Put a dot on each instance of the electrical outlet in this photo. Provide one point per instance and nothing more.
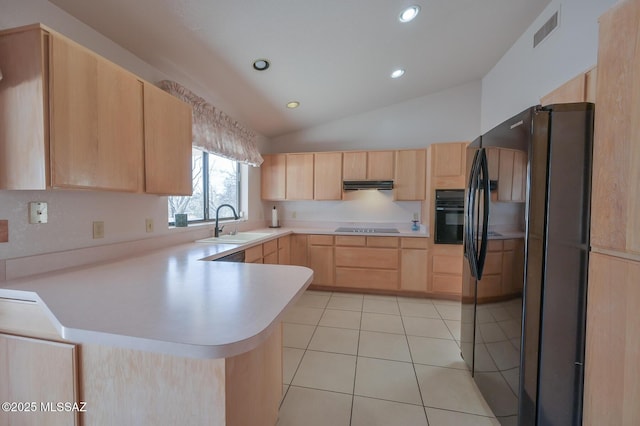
(294, 214)
(98, 230)
(38, 212)
(4, 231)
(148, 224)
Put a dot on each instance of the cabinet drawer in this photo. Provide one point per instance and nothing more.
(449, 284)
(271, 258)
(320, 240)
(448, 249)
(447, 265)
(510, 244)
(417, 243)
(270, 247)
(494, 245)
(253, 253)
(382, 242)
(343, 240)
(377, 258)
(367, 278)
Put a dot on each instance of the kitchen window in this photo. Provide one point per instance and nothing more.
(216, 181)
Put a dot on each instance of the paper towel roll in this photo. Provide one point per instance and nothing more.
(274, 217)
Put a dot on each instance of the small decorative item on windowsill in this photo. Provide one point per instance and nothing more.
(181, 220)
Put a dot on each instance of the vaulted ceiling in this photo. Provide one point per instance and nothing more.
(333, 56)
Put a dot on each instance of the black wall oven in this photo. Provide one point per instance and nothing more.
(449, 221)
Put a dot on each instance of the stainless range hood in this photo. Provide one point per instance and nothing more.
(352, 185)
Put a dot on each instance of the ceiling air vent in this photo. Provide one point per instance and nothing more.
(546, 29)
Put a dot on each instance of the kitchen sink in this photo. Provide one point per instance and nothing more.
(239, 238)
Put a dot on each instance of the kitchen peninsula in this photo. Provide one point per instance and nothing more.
(159, 338)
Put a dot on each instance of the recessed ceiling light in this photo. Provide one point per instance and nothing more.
(293, 104)
(260, 64)
(397, 73)
(409, 13)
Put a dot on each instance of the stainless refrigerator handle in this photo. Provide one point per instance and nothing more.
(484, 170)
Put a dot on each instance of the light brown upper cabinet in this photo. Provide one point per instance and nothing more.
(273, 177)
(167, 143)
(590, 85)
(299, 177)
(354, 165)
(410, 180)
(581, 88)
(96, 132)
(615, 214)
(380, 165)
(372, 165)
(70, 118)
(448, 165)
(327, 171)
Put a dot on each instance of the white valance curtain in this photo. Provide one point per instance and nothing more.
(214, 131)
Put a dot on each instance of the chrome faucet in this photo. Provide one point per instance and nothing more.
(216, 231)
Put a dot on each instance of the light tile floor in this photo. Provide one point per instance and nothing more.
(354, 359)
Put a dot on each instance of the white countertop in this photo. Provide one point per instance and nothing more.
(172, 300)
(167, 301)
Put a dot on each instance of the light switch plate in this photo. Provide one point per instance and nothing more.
(98, 230)
(148, 224)
(38, 212)
(4, 231)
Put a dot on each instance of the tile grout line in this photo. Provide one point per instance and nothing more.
(355, 372)
(305, 352)
(413, 365)
(358, 355)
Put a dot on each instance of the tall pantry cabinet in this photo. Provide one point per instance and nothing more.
(612, 367)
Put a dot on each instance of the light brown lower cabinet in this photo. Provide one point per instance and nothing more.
(273, 252)
(37, 375)
(321, 259)
(253, 254)
(414, 271)
(131, 387)
(446, 267)
(389, 264)
(299, 250)
(612, 371)
(284, 250)
(270, 252)
(367, 262)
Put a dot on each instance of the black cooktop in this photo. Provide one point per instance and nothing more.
(368, 230)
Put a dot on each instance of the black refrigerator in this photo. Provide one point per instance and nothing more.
(526, 350)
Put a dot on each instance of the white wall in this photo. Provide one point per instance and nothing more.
(525, 74)
(370, 207)
(71, 212)
(449, 115)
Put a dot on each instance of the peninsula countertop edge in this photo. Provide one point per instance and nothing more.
(169, 301)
